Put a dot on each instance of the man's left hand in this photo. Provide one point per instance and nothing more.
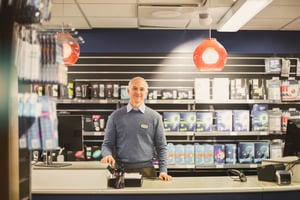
(165, 177)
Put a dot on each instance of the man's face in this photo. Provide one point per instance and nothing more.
(137, 92)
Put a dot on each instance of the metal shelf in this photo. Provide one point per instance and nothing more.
(87, 101)
(174, 101)
(233, 133)
(179, 133)
(228, 166)
(93, 133)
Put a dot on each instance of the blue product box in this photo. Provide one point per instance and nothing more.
(219, 153)
(208, 154)
(259, 117)
(199, 154)
(179, 154)
(246, 152)
(189, 154)
(171, 121)
(230, 153)
(262, 151)
(123, 92)
(171, 153)
(224, 120)
(204, 121)
(187, 122)
(241, 120)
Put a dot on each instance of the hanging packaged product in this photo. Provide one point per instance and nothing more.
(257, 89)
(297, 67)
(273, 65)
(273, 89)
(275, 116)
(285, 69)
(289, 89)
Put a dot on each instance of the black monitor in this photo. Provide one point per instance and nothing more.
(70, 132)
(69, 137)
(292, 138)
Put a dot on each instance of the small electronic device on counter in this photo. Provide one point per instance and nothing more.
(283, 177)
(291, 164)
(268, 172)
(119, 179)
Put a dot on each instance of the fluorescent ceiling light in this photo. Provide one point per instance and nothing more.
(240, 13)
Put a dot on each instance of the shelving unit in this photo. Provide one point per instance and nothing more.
(173, 71)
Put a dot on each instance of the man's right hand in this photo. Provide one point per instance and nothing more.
(108, 159)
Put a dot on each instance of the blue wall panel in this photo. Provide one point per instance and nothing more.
(177, 41)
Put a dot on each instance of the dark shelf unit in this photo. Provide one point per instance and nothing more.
(174, 71)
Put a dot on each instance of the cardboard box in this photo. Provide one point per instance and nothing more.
(187, 121)
(171, 121)
(204, 121)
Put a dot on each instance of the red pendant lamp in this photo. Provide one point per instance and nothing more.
(210, 55)
(71, 48)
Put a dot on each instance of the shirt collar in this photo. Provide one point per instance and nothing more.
(141, 108)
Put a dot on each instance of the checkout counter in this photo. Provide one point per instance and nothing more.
(88, 180)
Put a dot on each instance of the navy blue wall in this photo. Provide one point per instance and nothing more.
(176, 41)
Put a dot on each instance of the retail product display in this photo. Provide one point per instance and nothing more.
(38, 122)
(92, 152)
(230, 153)
(94, 122)
(171, 121)
(219, 153)
(39, 57)
(224, 120)
(241, 120)
(187, 122)
(204, 121)
(273, 65)
(231, 119)
(260, 117)
(202, 154)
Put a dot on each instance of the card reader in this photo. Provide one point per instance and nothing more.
(283, 177)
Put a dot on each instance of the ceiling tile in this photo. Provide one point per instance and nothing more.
(286, 2)
(99, 22)
(265, 24)
(70, 22)
(277, 12)
(109, 10)
(62, 1)
(107, 1)
(165, 16)
(279, 15)
(65, 10)
(295, 25)
(168, 2)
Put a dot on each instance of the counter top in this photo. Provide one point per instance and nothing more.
(70, 165)
(184, 185)
(91, 178)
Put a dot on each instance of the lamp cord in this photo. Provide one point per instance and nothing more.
(209, 5)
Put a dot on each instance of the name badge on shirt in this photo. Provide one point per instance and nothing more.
(144, 126)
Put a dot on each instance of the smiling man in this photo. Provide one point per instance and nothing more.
(134, 134)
